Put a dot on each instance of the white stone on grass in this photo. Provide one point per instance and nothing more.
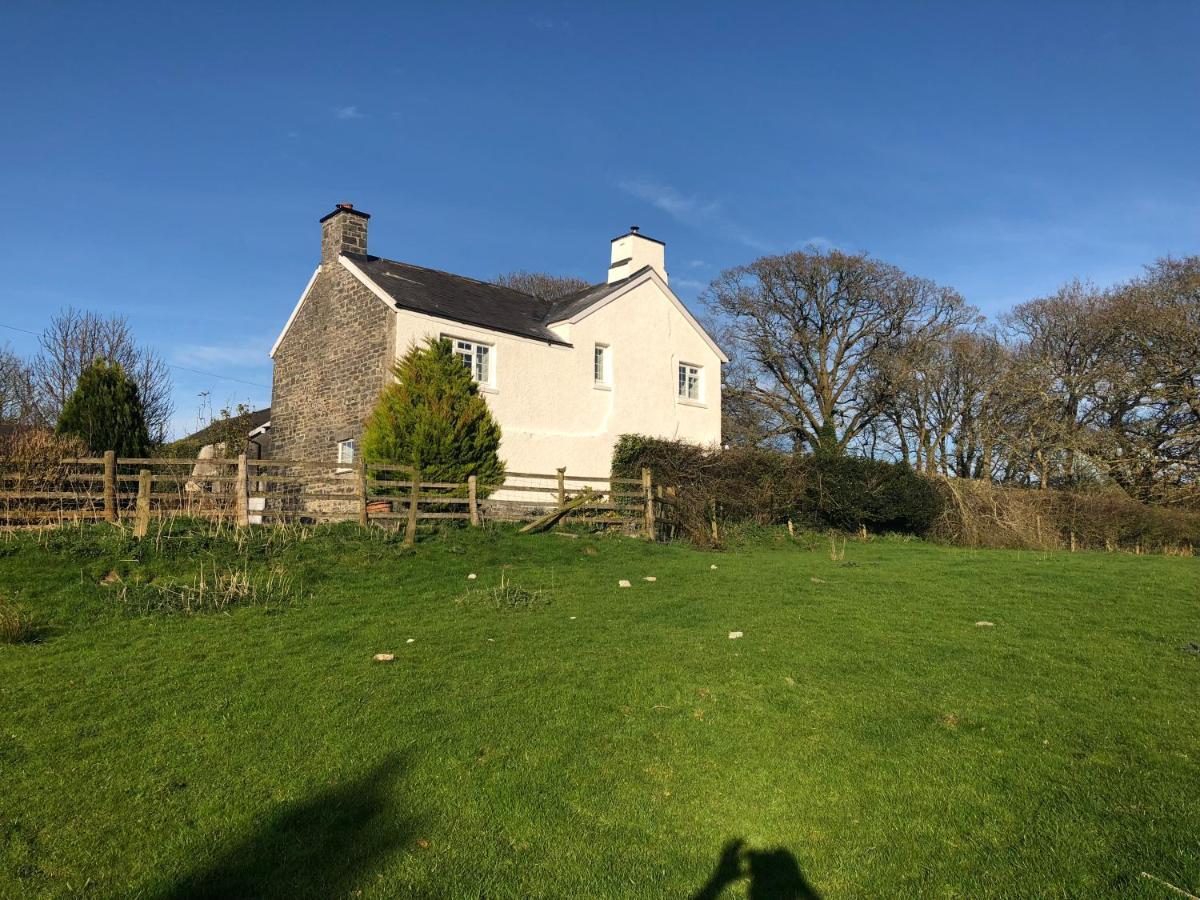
(384, 657)
(985, 624)
(624, 583)
(649, 578)
(713, 566)
(734, 635)
(410, 640)
(471, 577)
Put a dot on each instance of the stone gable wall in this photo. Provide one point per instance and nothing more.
(330, 367)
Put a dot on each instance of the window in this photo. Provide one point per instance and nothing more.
(476, 357)
(689, 382)
(346, 450)
(600, 365)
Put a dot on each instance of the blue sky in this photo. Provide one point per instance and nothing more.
(169, 162)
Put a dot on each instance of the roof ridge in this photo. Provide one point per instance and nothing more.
(492, 284)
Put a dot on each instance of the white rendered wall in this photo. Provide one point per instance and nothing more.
(551, 412)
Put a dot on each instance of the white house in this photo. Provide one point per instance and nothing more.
(563, 378)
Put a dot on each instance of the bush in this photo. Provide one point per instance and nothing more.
(766, 487)
(105, 412)
(983, 514)
(850, 493)
(433, 419)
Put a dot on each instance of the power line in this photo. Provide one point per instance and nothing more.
(168, 365)
(215, 375)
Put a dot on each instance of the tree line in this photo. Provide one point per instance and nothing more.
(840, 353)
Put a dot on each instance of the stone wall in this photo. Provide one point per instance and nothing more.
(330, 367)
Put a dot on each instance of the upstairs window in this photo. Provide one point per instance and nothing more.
(346, 451)
(475, 356)
(689, 382)
(600, 365)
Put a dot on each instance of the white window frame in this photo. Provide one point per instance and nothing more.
(468, 348)
(352, 445)
(689, 375)
(603, 378)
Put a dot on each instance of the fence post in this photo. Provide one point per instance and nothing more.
(562, 486)
(473, 500)
(241, 493)
(410, 532)
(361, 467)
(648, 491)
(110, 485)
(141, 521)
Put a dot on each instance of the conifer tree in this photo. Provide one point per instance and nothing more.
(433, 419)
(105, 411)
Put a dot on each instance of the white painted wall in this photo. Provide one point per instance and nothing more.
(551, 412)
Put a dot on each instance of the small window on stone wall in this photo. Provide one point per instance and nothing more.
(346, 451)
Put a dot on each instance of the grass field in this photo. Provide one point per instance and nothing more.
(864, 738)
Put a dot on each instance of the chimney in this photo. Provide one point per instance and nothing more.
(634, 251)
(343, 231)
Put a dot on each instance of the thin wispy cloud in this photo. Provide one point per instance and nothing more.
(697, 264)
(345, 113)
(689, 284)
(548, 23)
(689, 210)
(693, 210)
(246, 354)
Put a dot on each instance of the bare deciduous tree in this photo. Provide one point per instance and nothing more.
(943, 400)
(542, 285)
(18, 399)
(74, 339)
(809, 333)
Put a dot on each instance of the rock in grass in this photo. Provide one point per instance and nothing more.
(471, 577)
(623, 583)
(985, 624)
(410, 640)
(384, 657)
(734, 635)
(713, 566)
(649, 578)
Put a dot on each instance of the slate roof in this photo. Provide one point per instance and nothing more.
(573, 304)
(472, 302)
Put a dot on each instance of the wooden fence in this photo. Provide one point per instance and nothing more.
(245, 491)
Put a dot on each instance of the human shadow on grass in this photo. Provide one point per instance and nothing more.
(771, 875)
(323, 846)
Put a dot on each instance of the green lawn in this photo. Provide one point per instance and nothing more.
(865, 738)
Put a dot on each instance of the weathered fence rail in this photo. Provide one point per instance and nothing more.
(246, 492)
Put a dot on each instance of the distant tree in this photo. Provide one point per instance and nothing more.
(105, 412)
(542, 285)
(74, 340)
(808, 333)
(18, 398)
(433, 419)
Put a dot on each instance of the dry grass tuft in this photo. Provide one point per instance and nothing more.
(17, 625)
